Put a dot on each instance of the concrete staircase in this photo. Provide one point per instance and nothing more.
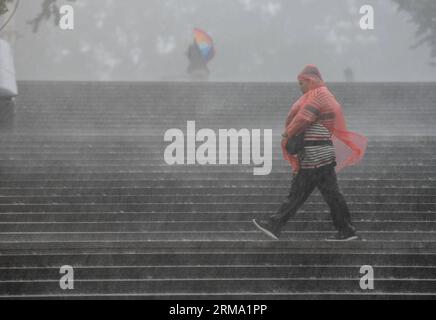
(83, 183)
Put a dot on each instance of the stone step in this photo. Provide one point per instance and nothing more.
(159, 158)
(6, 178)
(210, 215)
(425, 129)
(366, 128)
(141, 141)
(16, 274)
(208, 118)
(149, 142)
(366, 164)
(163, 114)
(207, 182)
(5, 192)
(195, 235)
(181, 206)
(206, 226)
(210, 286)
(153, 151)
(21, 139)
(234, 104)
(240, 258)
(102, 166)
(209, 198)
(161, 127)
(141, 129)
(156, 156)
(332, 295)
(134, 147)
(144, 166)
(228, 120)
(131, 141)
(294, 245)
(47, 170)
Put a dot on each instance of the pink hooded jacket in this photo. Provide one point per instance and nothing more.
(349, 146)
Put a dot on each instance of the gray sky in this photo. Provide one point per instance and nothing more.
(256, 40)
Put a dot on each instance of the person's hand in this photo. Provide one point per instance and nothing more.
(284, 138)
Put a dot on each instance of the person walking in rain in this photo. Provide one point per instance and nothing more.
(200, 53)
(197, 68)
(317, 144)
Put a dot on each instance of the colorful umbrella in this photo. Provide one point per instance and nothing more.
(205, 44)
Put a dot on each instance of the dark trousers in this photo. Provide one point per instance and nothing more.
(303, 184)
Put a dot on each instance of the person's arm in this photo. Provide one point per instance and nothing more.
(302, 120)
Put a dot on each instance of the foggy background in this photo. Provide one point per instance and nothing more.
(256, 40)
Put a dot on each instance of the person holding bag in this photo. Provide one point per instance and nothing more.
(317, 145)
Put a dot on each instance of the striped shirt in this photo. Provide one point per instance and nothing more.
(315, 117)
(317, 156)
